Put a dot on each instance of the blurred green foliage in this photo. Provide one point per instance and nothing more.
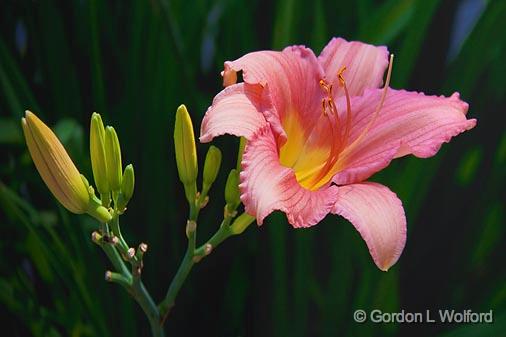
(135, 62)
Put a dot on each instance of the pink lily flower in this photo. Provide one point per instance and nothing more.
(318, 127)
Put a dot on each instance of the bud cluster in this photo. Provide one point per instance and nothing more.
(112, 182)
(64, 180)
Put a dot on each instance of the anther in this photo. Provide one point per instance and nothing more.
(340, 75)
(323, 107)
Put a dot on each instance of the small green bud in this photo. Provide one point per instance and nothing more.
(127, 187)
(241, 223)
(97, 153)
(211, 168)
(184, 143)
(232, 193)
(113, 155)
(242, 145)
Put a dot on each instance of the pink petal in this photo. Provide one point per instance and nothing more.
(378, 216)
(291, 80)
(267, 186)
(365, 64)
(408, 123)
(235, 110)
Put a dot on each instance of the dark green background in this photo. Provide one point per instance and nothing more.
(135, 62)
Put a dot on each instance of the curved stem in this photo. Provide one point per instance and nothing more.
(221, 235)
(177, 282)
(123, 246)
(191, 257)
(133, 285)
(142, 296)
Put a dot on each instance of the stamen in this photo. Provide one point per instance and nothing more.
(335, 144)
(327, 100)
(342, 82)
(357, 141)
(339, 142)
(337, 151)
(325, 86)
(323, 107)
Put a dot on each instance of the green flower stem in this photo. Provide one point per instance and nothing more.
(116, 260)
(118, 278)
(133, 285)
(186, 265)
(142, 296)
(177, 282)
(191, 257)
(221, 235)
(122, 245)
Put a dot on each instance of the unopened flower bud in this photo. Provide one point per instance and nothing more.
(127, 187)
(54, 165)
(232, 193)
(229, 76)
(211, 168)
(97, 153)
(113, 156)
(186, 153)
(184, 142)
(242, 146)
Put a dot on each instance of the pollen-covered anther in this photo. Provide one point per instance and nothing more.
(328, 105)
(342, 83)
(340, 75)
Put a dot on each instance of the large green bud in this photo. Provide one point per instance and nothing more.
(97, 152)
(186, 153)
(113, 155)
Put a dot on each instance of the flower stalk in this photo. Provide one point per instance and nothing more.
(115, 188)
